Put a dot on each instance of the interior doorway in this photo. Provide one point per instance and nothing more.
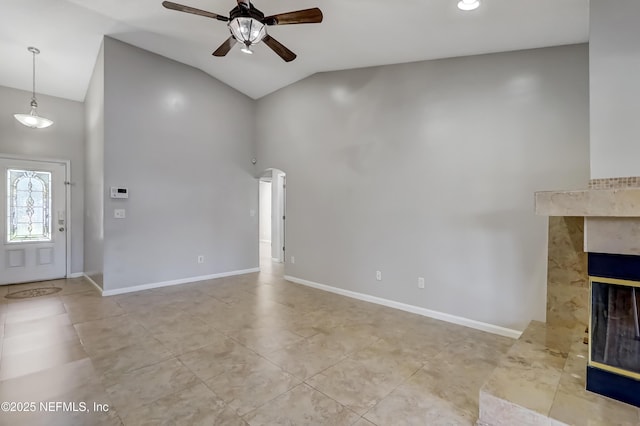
(272, 203)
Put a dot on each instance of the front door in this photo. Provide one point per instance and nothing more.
(33, 221)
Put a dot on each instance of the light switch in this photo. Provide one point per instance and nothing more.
(119, 213)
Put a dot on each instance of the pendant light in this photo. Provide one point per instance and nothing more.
(32, 119)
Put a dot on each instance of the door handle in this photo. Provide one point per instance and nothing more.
(61, 229)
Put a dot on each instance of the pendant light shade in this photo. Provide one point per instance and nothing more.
(32, 119)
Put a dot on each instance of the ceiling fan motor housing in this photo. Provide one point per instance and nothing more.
(244, 12)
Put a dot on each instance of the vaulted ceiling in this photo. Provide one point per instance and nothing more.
(354, 33)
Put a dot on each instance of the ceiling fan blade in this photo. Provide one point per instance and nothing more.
(225, 47)
(306, 16)
(189, 9)
(280, 50)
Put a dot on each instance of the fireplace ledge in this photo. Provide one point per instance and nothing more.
(623, 202)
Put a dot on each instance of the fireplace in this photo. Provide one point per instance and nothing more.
(611, 211)
(614, 327)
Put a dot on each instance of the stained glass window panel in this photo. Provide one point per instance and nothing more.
(28, 206)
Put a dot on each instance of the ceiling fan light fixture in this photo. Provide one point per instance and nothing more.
(32, 119)
(247, 30)
(248, 26)
(468, 4)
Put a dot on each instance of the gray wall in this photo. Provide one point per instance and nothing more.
(614, 65)
(63, 141)
(429, 169)
(94, 179)
(182, 143)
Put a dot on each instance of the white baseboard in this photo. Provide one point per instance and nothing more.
(75, 275)
(95, 284)
(149, 286)
(490, 328)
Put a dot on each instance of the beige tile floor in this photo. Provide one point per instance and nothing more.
(251, 349)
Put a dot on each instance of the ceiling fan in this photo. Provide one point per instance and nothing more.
(248, 26)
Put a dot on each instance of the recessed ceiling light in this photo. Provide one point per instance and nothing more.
(468, 4)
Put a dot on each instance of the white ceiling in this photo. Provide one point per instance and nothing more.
(355, 33)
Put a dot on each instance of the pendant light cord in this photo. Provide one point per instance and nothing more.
(34, 51)
(33, 95)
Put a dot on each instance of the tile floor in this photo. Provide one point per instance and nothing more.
(251, 349)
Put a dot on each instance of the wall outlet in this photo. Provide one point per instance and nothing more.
(119, 213)
(378, 275)
(200, 259)
(293, 259)
(420, 282)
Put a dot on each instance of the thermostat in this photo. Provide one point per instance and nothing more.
(118, 192)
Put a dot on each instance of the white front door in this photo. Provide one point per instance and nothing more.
(33, 221)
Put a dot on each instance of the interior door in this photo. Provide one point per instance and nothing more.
(33, 205)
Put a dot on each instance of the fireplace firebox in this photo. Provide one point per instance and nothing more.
(614, 327)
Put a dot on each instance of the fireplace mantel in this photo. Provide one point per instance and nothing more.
(620, 202)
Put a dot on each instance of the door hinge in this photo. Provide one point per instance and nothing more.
(283, 249)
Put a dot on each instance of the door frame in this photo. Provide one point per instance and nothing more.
(280, 209)
(283, 224)
(279, 218)
(67, 194)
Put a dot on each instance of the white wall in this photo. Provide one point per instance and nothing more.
(429, 169)
(94, 179)
(265, 211)
(64, 141)
(182, 142)
(614, 64)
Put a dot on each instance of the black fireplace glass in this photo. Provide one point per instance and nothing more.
(615, 326)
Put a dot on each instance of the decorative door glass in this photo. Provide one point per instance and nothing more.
(28, 206)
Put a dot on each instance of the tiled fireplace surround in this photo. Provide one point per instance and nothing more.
(541, 380)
